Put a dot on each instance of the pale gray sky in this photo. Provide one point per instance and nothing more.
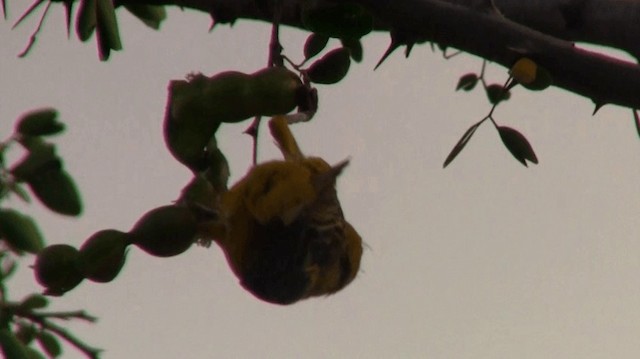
(486, 259)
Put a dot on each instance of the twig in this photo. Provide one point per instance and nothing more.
(78, 314)
(41, 320)
(275, 59)
(90, 352)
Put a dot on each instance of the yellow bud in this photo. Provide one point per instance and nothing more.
(524, 70)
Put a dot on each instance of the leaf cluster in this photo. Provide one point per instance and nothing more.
(25, 323)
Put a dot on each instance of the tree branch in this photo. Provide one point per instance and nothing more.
(603, 79)
(613, 23)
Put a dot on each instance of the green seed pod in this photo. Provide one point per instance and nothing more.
(56, 269)
(227, 97)
(187, 126)
(165, 231)
(274, 91)
(331, 68)
(107, 32)
(102, 255)
(198, 106)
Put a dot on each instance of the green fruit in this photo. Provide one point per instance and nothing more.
(56, 269)
(165, 231)
(102, 255)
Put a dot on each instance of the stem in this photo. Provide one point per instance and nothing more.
(275, 59)
(41, 320)
(90, 352)
(78, 314)
(252, 131)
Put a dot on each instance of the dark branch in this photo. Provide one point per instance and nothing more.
(603, 79)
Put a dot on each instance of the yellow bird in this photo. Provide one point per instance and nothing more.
(284, 235)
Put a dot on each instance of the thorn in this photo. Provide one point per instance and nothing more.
(392, 47)
(31, 9)
(68, 10)
(636, 118)
(599, 105)
(407, 51)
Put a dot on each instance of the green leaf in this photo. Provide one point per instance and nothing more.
(86, 20)
(19, 191)
(355, 48)
(41, 157)
(68, 12)
(34, 354)
(20, 231)
(517, 144)
(460, 145)
(150, 15)
(314, 44)
(331, 68)
(342, 20)
(57, 191)
(107, 29)
(497, 93)
(34, 301)
(467, 82)
(6, 273)
(11, 346)
(50, 344)
(39, 123)
(26, 332)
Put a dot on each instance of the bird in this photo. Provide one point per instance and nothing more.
(283, 231)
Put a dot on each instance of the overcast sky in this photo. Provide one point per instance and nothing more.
(484, 259)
